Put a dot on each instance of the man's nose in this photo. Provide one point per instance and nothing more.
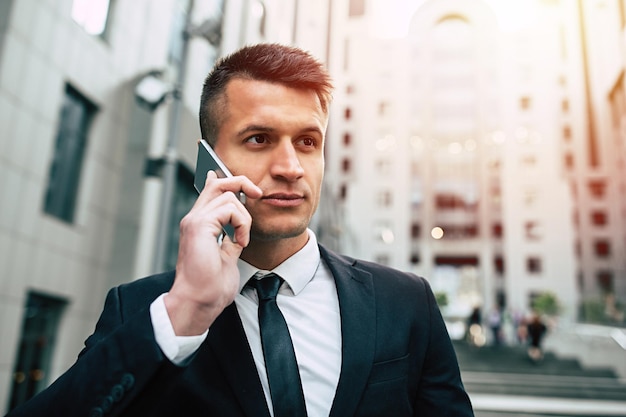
(286, 162)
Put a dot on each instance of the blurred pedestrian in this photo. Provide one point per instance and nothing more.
(522, 329)
(536, 331)
(495, 324)
(475, 335)
(475, 317)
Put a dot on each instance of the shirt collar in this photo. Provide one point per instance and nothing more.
(297, 270)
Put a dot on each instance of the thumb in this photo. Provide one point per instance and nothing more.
(231, 249)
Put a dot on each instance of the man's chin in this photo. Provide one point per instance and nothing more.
(276, 233)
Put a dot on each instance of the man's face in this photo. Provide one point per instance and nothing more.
(274, 135)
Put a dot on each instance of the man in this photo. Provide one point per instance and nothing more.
(369, 340)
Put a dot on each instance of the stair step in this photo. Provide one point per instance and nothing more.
(514, 359)
(545, 385)
(507, 370)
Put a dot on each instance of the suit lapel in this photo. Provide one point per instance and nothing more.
(355, 291)
(229, 343)
(358, 317)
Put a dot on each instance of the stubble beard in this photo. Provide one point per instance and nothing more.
(264, 234)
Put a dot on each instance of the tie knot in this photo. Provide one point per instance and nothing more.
(267, 287)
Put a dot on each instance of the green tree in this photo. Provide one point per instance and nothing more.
(546, 303)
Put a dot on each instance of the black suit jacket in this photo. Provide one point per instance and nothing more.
(397, 358)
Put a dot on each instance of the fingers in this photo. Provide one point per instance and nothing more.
(218, 203)
(233, 249)
(214, 186)
(227, 209)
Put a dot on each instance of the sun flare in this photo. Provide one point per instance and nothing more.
(393, 17)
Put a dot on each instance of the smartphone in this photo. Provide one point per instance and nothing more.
(209, 161)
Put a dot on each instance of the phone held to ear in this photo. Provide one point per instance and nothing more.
(209, 161)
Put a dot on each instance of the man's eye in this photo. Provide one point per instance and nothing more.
(308, 142)
(257, 139)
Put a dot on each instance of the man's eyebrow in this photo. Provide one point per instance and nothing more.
(314, 129)
(254, 128)
(266, 129)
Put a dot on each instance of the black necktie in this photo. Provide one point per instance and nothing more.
(280, 359)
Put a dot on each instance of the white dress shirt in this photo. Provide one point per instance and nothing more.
(308, 300)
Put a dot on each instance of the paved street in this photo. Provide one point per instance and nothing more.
(503, 382)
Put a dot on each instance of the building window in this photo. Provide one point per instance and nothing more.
(91, 15)
(346, 165)
(383, 108)
(605, 281)
(524, 103)
(347, 113)
(347, 139)
(599, 218)
(498, 264)
(565, 105)
(65, 168)
(184, 198)
(415, 230)
(597, 188)
(567, 133)
(496, 230)
(357, 8)
(533, 265)
(533, 230)
(457, 261)
(415, 258)
(602, 248)
(343, 192)
(37, 341)
(460, 231)
(450, 201)
(569, 161)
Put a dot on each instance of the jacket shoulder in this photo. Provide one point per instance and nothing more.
(145, 290)
(376, 270)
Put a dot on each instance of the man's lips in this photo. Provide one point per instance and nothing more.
(283, 199)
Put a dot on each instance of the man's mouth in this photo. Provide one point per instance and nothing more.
(283, 199)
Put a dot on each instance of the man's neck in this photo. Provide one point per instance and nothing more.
(268, 255)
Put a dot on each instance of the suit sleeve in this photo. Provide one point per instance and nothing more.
(441, 392)
(118, 361)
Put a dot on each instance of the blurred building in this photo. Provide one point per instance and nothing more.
(98, 102)
(596, 159)
(488, 159)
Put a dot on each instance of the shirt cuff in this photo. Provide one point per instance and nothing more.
(176, 348)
